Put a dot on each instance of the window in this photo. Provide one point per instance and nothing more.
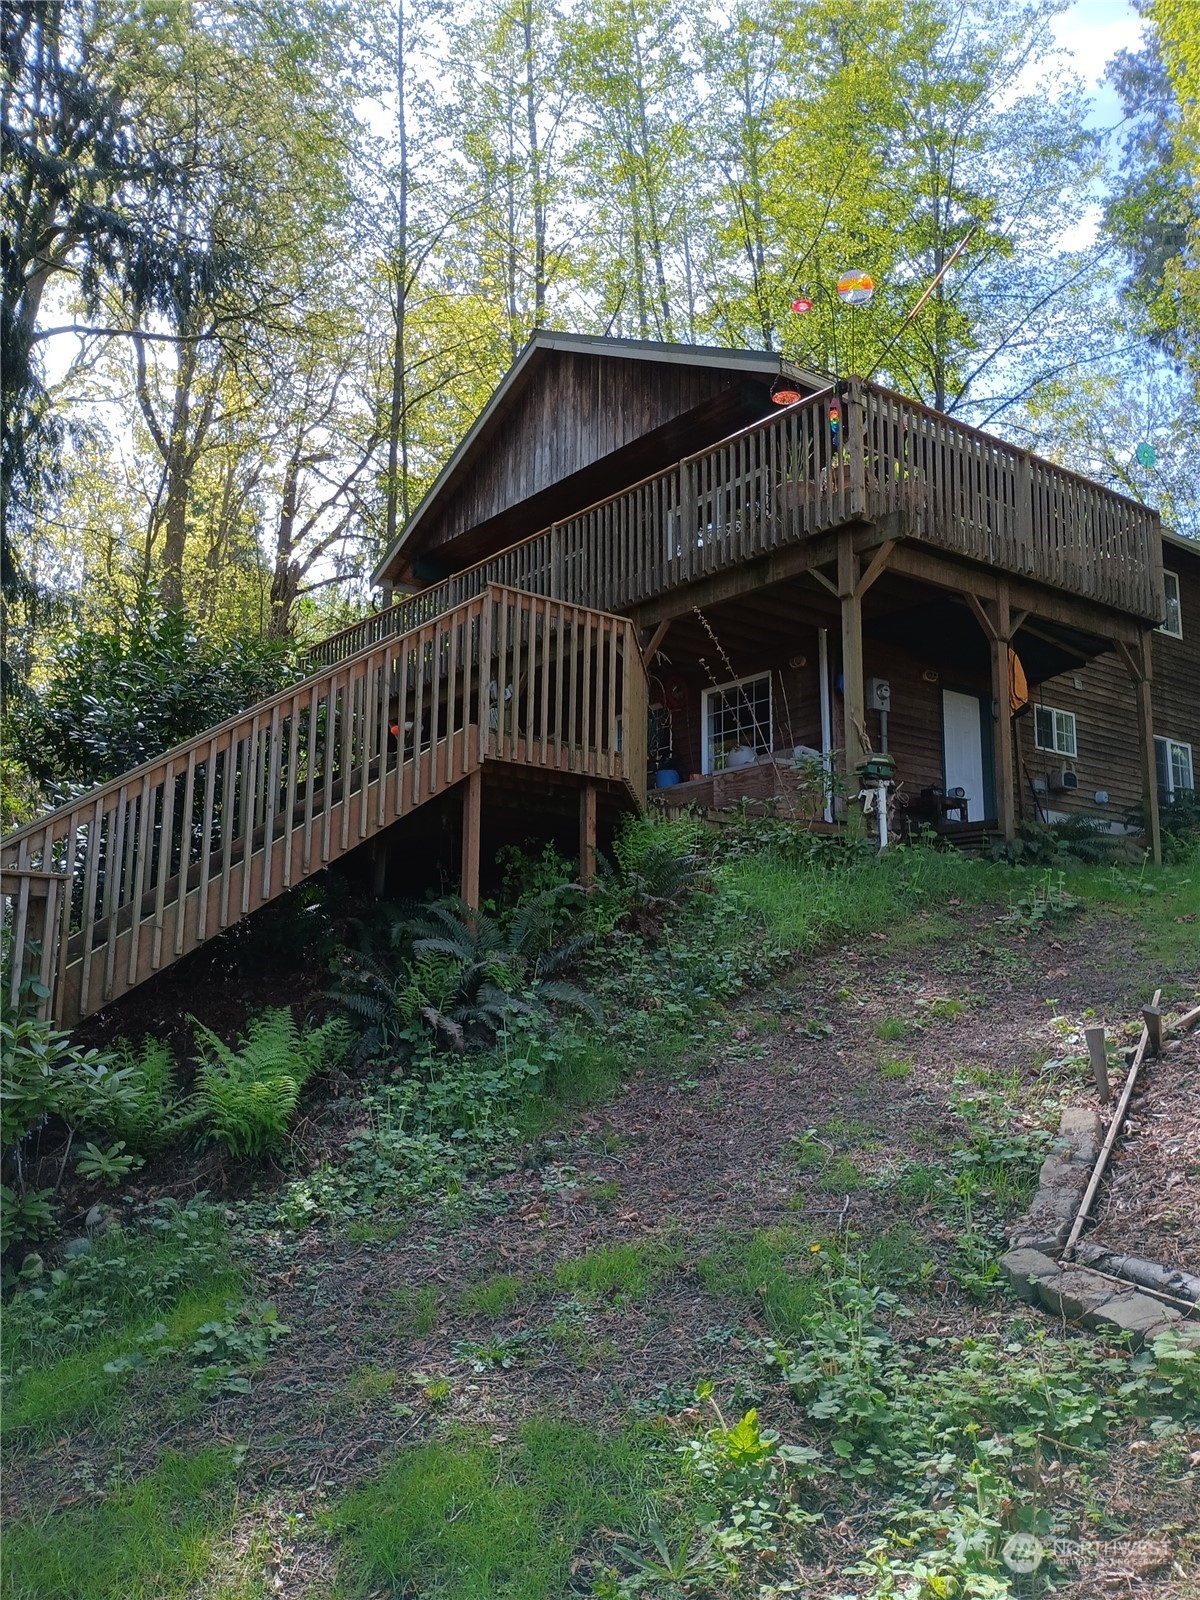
(1173, 624)
(1054, 730)
(1173, 759)
(736, 714)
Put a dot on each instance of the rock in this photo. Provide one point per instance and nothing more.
(1053, 1212)
(1073, 1291)
(1137, 1314)
(77, 1247)
(1022, 1268)
(94, 1217)
(1059, 1172)
(1044, 1243)
(1081, 1129)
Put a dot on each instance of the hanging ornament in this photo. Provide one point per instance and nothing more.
(835, 423)
(856, 288)
(801, 305)
(1146, 454)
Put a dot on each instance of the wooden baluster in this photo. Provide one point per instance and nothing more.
(401, 732)
(544, 673)
(329, 748)
(558, 688)
(249, 818)
(113, 877)
(418, 716)
(20, 926)
(370, 693)
(233, 777)
(87, 914)
(502, 724)
(147, 804)
(451, 691)
(210, 779)
(310, 774)
(290, 791)
(435, 707)
(349, 731)
(612, 697)
(586, 728)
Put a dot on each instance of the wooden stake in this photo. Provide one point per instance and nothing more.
(1098, 1051)
(1152, 1017)
(1114, 1128)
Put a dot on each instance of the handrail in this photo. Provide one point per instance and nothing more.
(1056, 545)
(125, 879)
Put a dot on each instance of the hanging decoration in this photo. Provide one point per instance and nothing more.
(785, 392)
(856, 288)
(1145, 454)
(835, 425)
(801, 305)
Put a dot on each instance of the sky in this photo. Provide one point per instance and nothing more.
(1093, 31)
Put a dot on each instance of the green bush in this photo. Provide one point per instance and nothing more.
(248, 1095)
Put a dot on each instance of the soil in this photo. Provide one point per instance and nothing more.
(695, 1160)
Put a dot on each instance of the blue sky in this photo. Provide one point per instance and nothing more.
(1093, 31)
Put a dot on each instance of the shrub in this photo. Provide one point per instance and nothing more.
(248, 1095)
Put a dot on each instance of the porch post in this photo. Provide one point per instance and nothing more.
(472, 791)
(853, 691)
(587, 833)
(1002, 728)
(1138, 665)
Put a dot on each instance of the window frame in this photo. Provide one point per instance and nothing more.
(1056, 749)
(1171, 789)
(1176, 632)
(706, 742)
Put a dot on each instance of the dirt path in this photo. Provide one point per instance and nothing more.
(854, 1055)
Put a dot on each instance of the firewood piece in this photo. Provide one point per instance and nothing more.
(1152, 1018)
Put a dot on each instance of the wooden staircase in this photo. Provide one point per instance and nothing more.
(103, 893)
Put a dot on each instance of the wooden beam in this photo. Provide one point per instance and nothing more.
(656, 639)
(826, 583)
(1139, 667)
(472, 796)
(878, 563)
(853, 689)
(1002, 728)
(587, 834)
(982, 617)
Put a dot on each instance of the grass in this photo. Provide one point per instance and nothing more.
(619, 1271)
(152, 1540)
(841, 1175)
(896, 1067)
(416, 1312)
(492, 1298)
(771, 1271)
(892, 1028)
(463, 1519)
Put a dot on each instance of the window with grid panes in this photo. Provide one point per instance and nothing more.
(1173, 759)
(737, 714)
(1054, 730)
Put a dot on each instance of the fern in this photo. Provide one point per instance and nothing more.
(153, 1114)
(249, 1094)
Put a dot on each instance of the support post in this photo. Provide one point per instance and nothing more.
(1138, 665)
(1002, 730)
(853, 689)
(472, 791)
(587, 834)
(1098, 1054)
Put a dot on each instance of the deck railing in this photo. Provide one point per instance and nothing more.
(123, 881)
(830, 459)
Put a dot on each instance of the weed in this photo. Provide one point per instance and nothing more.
(841, 1175)
(771, 1271)
(494, 1297)
(370, 1384)
(896, 1067)
(891, 1028)
(416, 1313)
(619, 1271)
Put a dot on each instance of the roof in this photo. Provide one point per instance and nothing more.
(1180, 541)
(540, 346)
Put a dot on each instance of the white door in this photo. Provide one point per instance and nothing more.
(962, 739)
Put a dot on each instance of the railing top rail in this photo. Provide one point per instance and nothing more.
(281, 697)
(1002, 445)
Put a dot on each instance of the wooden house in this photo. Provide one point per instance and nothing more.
(647, 562)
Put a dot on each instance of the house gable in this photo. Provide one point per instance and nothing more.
(576, 419)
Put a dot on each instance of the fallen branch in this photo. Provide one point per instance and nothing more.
(1114, 1129)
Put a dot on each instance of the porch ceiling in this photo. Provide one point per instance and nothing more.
(933, 625)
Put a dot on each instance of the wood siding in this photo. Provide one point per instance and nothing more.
(584, 408)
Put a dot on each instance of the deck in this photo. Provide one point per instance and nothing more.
(929, 479)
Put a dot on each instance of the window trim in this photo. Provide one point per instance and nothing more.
(706, 753)
(1055, 749)
(1176, 632)
(1170, 791)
